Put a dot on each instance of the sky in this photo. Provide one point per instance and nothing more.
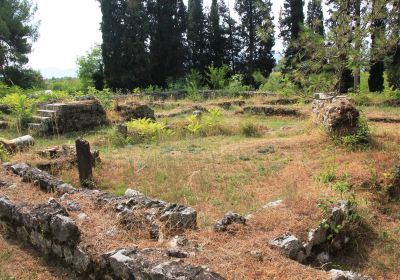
(69, 28)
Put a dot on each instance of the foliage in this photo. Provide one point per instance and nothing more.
(196, 39)
(21, 106)
(147, 130)
(4, 157)
(90, 70)
(327, 176)
(206, 124)
(216, 41)
(278, 83)
(67, 84)
(194, 82)
(235, 85)
(315, 17)
(360, 139)
(258, 37)
(249, 129)
(18, 32)
(216, 76)
(24, 78)
(104, 96)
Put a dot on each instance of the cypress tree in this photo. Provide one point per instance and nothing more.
(167, 52)
(257, 33)
(393, 68)
(377, 68)
(196, 35)
(315, 17)
(125, 30)
(291, 19)
(216, 42)
(232, 38)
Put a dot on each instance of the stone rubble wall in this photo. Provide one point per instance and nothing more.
(77, 116)
(48, 228)
(271, 111)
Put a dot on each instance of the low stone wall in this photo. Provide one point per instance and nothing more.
(49, 229)
(77, 116)
(271, 111)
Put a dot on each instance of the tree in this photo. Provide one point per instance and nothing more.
(257, 32)
(315, 17)
(25, 78)
(215, 38)
(167, 47)
(17, 33)
(125, 32)
(393, 61)
(377, 65)
(90, 69)
(291, 20)
(196, 35)
(231, 35)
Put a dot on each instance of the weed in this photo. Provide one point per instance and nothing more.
(244, 157)
(249, 129)
(266, 150)
(360, 139)
(142, 130)
(4, 157)
(327, 176)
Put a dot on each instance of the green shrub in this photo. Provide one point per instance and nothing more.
(194, 82)
(209, 124)
(249, 129)
(142, 130)
(22, 108)
(4, 157)
(235, 85)
(216, 76)
(327, 176)
(360, 139)
(277, 83)
(105, 96)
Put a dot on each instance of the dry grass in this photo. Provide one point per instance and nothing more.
(223, 173)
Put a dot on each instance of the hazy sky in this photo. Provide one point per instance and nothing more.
(69, 28)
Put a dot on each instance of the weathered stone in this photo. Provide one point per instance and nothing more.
(394, 186)
(81, 261)
(272, 204)
(84, 161)
(337, 114)
(323, 257)
(290, 246)
(179, 216)
(18, 144)
(337, 274)
(178, 241)
(122, 130)
(257, 255)
(228, 219)
(133, 193)
(64, 230)
(176, 253)
(271, 111)
(154, 231)
(73, 206)
(131, 111)
(6, 208)
(65, 189)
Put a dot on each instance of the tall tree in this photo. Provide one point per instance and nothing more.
(357, 43)
(90, 70)
(393, 65)
(315, 17)
(196, 35)
(167, 47)
(216, 41)
(125, 32)
(17, 32)
(377, 66)
(291, 19)
(257, 32)
(231, 35)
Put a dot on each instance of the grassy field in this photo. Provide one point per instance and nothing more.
(226, 168)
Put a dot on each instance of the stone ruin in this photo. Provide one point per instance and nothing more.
(49, 228)
(336, 113)
(59, 118)
(133, 110)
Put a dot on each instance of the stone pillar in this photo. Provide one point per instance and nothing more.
(84, 159)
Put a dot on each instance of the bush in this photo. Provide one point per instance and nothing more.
(105, 96)
(194, 82)
(142, 130)
(216, 76)
(278, 84)
(4, 157)
(235, 85)
(249, 129)
(207, 125)
(21, 106)
(360, 139)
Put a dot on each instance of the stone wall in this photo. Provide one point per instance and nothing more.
(49, 229)
(336, 113)
(79, 115)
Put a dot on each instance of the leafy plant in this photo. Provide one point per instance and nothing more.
(104, 96)
(235, 85)
(249, 129)
(146, 129)
(194, 125)
(216, 76)
(327, 176)
(21, 106)
(4, 157)
(194, 82)
(360, 138)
